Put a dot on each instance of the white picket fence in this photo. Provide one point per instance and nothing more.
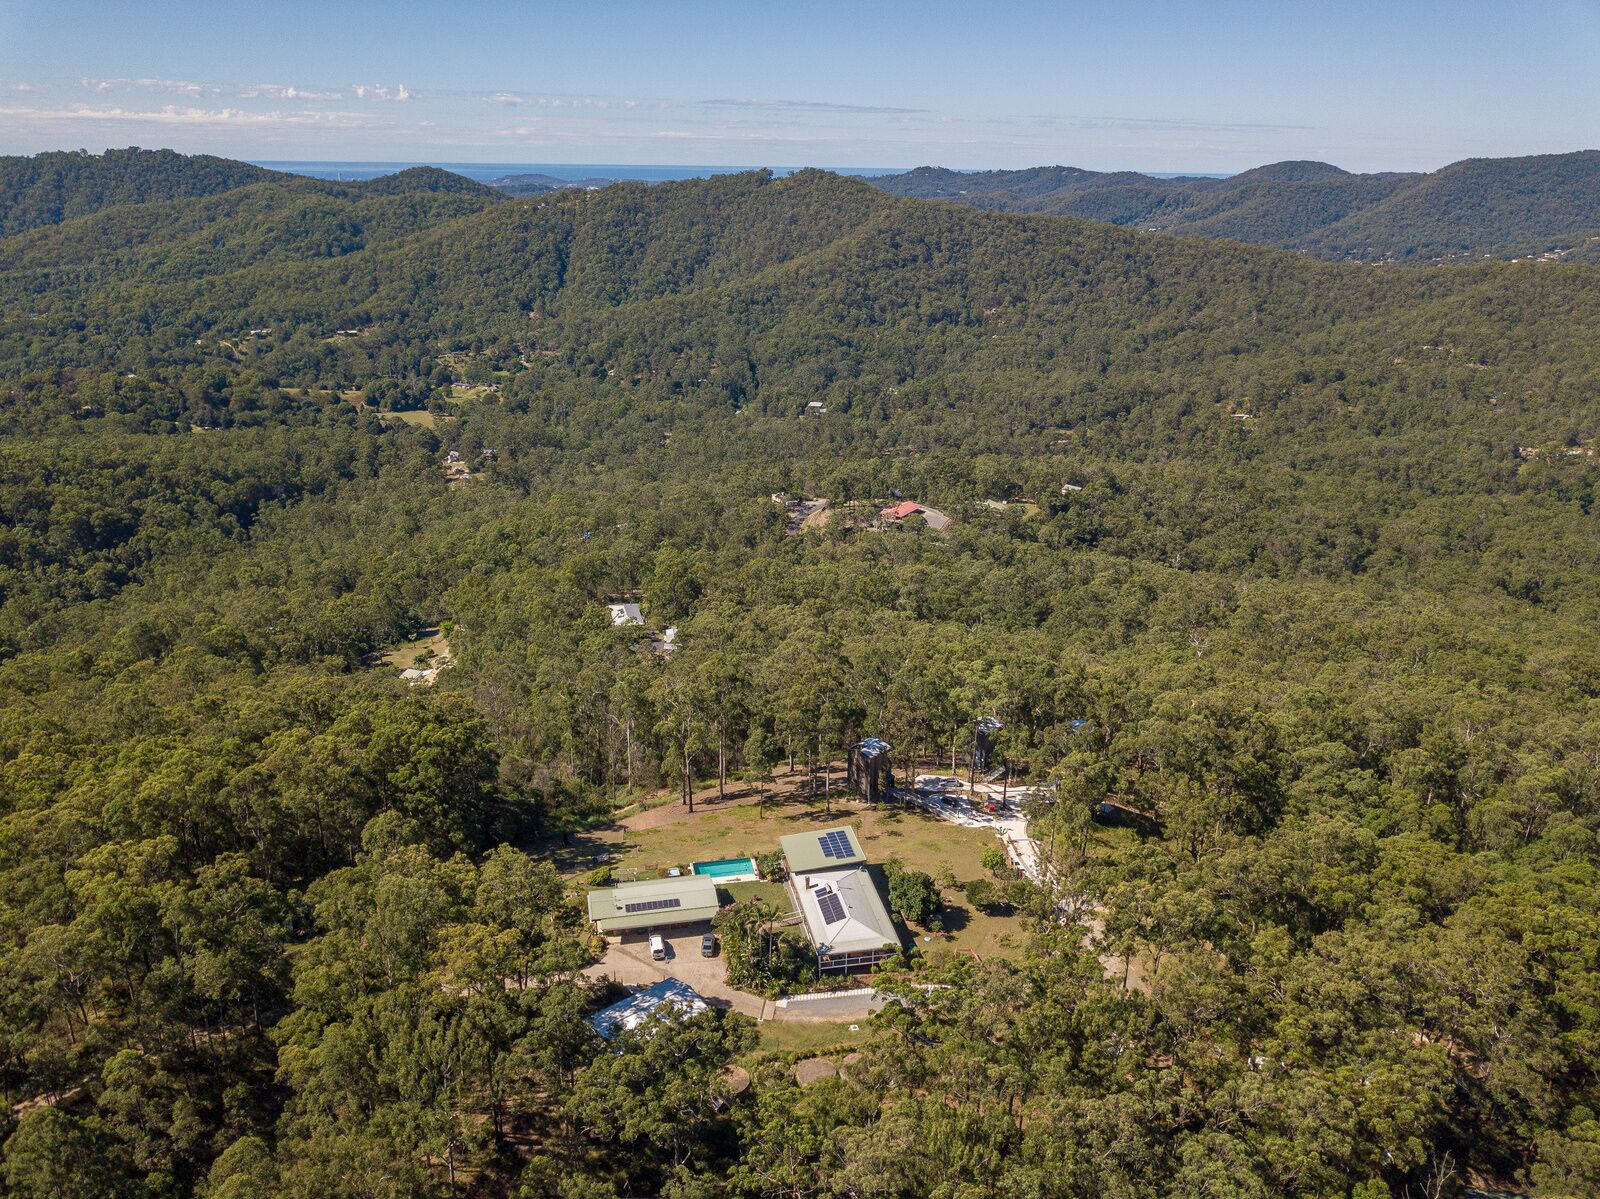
(788, 999)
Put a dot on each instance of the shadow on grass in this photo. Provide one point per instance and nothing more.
(570, 852)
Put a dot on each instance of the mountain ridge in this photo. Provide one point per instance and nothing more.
(1477, 207)
(44, 190)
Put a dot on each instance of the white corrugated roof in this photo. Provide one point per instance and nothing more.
(670, 995)
(625, 614)
(865, 925)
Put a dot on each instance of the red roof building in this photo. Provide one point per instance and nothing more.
(900, 511)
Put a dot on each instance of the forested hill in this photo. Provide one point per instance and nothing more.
(1293, 563)
(1476, 208)
(46, 189)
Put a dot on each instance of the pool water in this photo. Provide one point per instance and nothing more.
(724, 867)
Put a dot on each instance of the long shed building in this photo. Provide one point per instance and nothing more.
(653, 903)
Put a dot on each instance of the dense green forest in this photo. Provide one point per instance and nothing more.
(1298, 559)
(47, 189)
(1475, 208)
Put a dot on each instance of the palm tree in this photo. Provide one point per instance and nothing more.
(764, 914)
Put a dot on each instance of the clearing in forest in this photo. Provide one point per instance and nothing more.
(647, 843)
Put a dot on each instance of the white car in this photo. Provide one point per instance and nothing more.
(658, 947)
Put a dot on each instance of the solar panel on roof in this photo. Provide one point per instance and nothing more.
(836, 844)
(652, 905)
(831, 907)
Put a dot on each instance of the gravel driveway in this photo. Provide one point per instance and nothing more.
(628, 961)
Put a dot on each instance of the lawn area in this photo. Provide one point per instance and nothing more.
(809, 1036)
(775, 894)
(648, 842)
(428, 644)
(419, 416)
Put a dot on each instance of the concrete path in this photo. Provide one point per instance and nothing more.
(1023, 852)
(840, 1005)
(1010, 827)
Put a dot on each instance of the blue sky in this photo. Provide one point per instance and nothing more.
(1206, 85)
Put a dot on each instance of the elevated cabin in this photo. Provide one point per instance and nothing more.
(868, 770)
(983, 743)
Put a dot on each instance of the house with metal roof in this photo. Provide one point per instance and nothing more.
(838, 900)
(828, 849)
(669, 997)
(653, 903)
(625, 614)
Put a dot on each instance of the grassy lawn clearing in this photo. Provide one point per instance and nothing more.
(809, 1036)
(775, 894)
(649, 842)
(420, 416)
(429, 644)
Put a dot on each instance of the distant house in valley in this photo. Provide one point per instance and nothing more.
(838, 900)
(625, 614)
(936, 520)
(653, 903)
(868, 769)
(669, 997)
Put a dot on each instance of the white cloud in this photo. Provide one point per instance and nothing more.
(192, 90)
(1161, 124)
(506, 99)
(279, 91)
(377, 91)
(174, 87)
(177, 115)
(810, 106)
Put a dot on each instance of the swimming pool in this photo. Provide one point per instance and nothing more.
(729, 870)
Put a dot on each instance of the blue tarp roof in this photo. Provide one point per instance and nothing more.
(872, 747)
